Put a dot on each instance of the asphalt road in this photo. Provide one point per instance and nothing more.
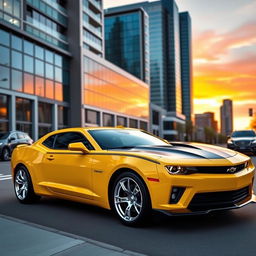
(228, 233)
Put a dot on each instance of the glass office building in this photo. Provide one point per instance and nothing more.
(186, 64)
(43, 86)
(127, 41)
(165, 63)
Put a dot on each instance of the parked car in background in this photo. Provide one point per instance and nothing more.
(243, 141)
(9, 140)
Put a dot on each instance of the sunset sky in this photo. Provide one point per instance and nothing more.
(224, 54)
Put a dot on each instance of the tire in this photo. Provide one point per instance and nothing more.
(5, 156)
(130, 200)
(23, 186)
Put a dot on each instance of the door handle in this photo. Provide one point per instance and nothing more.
(51, 157)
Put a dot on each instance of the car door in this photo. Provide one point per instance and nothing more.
(64, 171)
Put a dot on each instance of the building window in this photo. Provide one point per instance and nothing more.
(16, 80)
(28, 83)
(108, 120)
(169, 125)
(133, 123)
(155, 117)
(4, 115)
(44, 118)
(143, 125)
(120, 120)
(4, 77)
(92, 117)
(62, 117)
(24, 115)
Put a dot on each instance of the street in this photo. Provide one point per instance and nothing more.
(225, 233)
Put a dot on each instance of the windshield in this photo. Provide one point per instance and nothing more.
(243, 134)
(4, 135)
(112, 139)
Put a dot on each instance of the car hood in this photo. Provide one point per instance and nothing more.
(243, 138)
(182, 151)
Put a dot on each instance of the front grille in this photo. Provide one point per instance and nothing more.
(221, 169)
(242, 143)
(216, 200)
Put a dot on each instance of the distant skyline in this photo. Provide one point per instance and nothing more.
(224, 54)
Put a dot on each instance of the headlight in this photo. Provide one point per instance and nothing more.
(230, 141)
(254, 141)
(1, 143)
(180, 169)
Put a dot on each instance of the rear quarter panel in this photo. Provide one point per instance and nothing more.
(31, 157)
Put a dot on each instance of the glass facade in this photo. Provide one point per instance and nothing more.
(30, 68)
(50, 23)
(186, 64)
(107, 89)
(4, 113)
(10, 11)
(92, 26)
(126, 42)
(24, 115)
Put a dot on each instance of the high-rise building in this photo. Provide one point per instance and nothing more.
(53, 73)
(165, 66)
(226, 117)
(126, 41)
(206, 120)
(186, 64)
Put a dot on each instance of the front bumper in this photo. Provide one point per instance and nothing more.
(237, 206)
(247, 148)
(195, 184)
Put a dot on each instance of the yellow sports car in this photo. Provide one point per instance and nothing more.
(132, 172)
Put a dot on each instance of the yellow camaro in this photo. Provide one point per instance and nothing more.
(132, 172)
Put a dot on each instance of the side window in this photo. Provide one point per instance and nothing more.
(64, 139)
(20, 135)
(13, 135)
(49, 141)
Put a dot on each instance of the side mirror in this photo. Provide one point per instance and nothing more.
(78, 146)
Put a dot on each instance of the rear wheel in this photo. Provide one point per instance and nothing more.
(23, 186)
(131, 200)
(5, 154)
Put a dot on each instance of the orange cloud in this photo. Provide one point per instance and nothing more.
(215, 78)
(210, 45)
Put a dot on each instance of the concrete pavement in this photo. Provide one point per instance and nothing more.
(21, 238)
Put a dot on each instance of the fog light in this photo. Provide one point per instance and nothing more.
(176, 194)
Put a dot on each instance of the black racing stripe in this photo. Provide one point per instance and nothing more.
(192, 152)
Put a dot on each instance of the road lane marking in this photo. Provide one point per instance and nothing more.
(5, 177)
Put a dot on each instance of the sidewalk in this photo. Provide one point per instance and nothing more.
(20, 238)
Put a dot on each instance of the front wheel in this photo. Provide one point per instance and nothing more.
(23, 186)
(130, 199)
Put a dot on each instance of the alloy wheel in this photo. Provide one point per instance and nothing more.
(21, 184)
(128, 199)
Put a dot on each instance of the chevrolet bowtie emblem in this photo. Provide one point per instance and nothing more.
(231, 170)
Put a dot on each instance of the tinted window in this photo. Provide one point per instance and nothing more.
(64, 139)
(110, 139)
(49, 141)
(243, 134)
(20, 135)
(13, 135)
